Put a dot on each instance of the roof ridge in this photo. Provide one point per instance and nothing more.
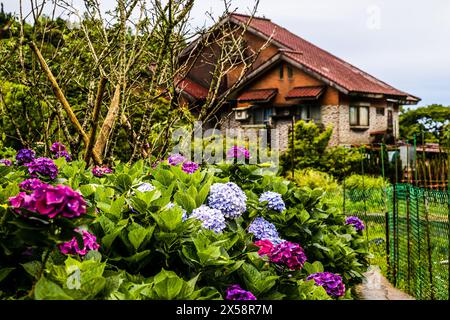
(249, 16)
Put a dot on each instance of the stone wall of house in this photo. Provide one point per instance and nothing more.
(343, 134)
(283, 127)
(330, 117)
(336, 116)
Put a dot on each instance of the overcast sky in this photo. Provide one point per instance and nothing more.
(405, 43)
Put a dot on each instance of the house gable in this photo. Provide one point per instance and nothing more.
(270, 78)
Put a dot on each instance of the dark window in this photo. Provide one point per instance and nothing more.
(359, 116)
(290, 72)
(281, 71)
(308, 112)
(380, 111)
(261, 115)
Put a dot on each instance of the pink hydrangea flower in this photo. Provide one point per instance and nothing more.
(71, 247)
(99, 171)
(265, 247)
(57, 147)
(51, 201)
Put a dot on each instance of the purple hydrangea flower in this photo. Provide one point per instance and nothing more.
(146, 187)
(332, 283)
(235, 292)
(44, 167)
(57, 147)
(264, 230)
(6, 162)
(71, 247)
(212, 219)
(228, 198)
(189, 167)
(176, 159)
(51, 201)
(288, 254)
(274, 201)
(356, 222)
(64, 154)
(238, 153)
(99, 171)
(30, 184)
(25, 156)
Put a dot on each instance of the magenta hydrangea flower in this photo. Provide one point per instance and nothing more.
(22, 201)
(64, 154)
(189, 167)
(71, 247)
(235, 292)
(6, 162)
(44, 167)
(288, 254)
(238, 153)
(331, 282)
(176, 159)
(30, 184)
(99, 171)
(57, 147)
(356, 222)
(51, 201)
(25, 156)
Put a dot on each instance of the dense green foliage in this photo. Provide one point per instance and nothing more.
(311, 150)
(148, 252)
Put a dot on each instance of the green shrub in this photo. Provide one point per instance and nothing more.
(314, 179)
(311, 150)
(362, 182)
(146, 249)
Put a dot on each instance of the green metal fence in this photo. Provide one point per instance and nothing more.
(408, 232)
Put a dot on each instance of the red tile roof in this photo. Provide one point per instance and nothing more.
(319, 61)
(305, 93)
(193, 89)
(257, 95)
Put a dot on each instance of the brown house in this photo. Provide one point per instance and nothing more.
(293, 79)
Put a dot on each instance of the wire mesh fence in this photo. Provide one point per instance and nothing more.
(408, 233)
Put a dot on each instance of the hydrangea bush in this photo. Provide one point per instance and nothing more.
(169, 231)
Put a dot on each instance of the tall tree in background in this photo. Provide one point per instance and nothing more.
(430, 122)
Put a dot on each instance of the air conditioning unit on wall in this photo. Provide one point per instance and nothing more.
(241, 114)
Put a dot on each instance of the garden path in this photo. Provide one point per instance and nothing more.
(376, 287)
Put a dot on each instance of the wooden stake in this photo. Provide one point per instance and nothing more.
(95, 116)
(60, 95)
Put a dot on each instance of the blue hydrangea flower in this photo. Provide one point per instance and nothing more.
(171, 205)
(274, 201)
(228, 198)
(145, 187)
(264, 230)
(212, 219)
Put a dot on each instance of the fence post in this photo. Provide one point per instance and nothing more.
(430, 261)
(394, 225)
(386, 214)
